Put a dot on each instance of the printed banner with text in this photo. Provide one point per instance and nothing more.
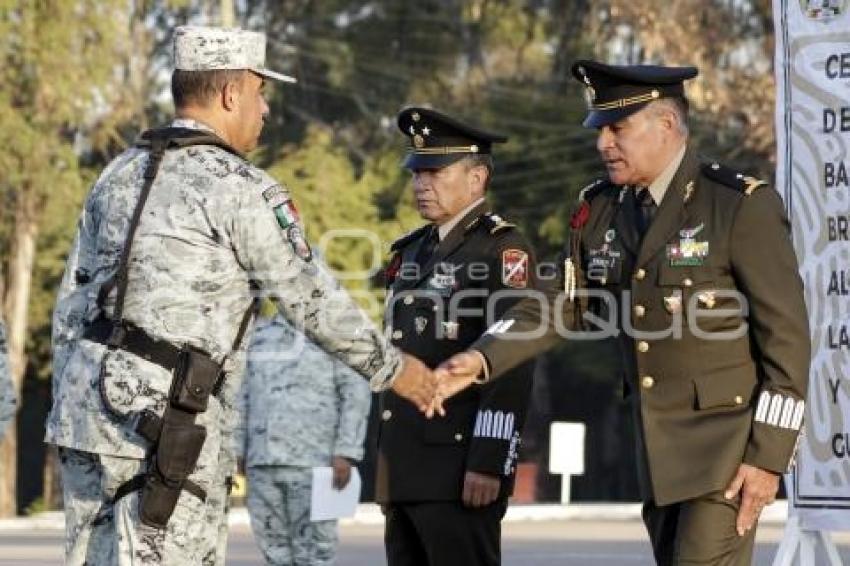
(813, 175)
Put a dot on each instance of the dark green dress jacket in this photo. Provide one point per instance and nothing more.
(709, 309)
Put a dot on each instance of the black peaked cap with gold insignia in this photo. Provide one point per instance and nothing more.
(437, 140)
(616, 91)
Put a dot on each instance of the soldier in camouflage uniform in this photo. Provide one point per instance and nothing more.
(213, 226)
(300, 408)
(7, 388)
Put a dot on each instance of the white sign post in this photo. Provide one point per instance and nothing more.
(813, 176)
(797, 540)
(566, 453)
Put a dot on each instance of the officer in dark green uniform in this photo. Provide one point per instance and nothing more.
(444, 483)
(692, 263)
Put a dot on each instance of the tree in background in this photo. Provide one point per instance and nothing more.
(55, 59)
(731, 41)
(74, 73)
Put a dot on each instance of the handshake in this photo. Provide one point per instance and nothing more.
(428, 389)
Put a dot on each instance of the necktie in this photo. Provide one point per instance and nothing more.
(426, 250)
(646, 208)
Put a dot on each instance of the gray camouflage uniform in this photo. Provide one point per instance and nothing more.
(207, 233)
(7, 388)
(299, 409)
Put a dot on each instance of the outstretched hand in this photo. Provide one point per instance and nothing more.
(454, 375)
(416, 383)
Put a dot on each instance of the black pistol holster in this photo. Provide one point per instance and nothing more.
(176, 440)
(180, 440)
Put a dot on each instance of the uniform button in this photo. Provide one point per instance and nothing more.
(738, 399)
(687, 282)
(458, 437)
(647, 382)
(603, 281)
(397, 334)
(640, 311)
(640, 274)
(643, 346)
(435, 308)
(387, 415)
(408, 300)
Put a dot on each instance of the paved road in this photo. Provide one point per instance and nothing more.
(545, 543)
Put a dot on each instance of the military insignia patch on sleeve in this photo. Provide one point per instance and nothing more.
(515, 268)
(282, 206)
(298, 241)
(286, 214)
(288, 219)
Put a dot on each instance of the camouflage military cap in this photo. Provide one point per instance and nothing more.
(199, 48)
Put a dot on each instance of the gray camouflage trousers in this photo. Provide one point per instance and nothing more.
(279, 504)
(99, 533)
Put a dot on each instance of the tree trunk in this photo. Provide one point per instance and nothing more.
(227, 14)
(16, 305)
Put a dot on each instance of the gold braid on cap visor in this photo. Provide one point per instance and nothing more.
(446, 150)
(622, 102)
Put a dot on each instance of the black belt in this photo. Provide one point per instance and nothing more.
(134, 340)
(131, 338)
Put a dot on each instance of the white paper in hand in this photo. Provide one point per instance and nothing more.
(327, 502)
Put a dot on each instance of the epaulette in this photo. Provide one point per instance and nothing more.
(409, 237)
(491, 222)
(589, 192)
(731, 178)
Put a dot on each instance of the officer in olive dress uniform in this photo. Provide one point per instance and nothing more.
(701, 281)
(444, 483)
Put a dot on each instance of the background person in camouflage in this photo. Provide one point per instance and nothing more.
(7, 388)
(213, 226)
(300, 408)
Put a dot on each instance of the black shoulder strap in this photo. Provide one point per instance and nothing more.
(182, 137)
(246, 321)
(158, 141)
(494, 223)
(119, 280)
(731, 178)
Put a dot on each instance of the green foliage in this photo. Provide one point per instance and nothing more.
(52, 65)
(39, 505)
(56, 62)
(64, 66)
(81, 77)
(342, 208)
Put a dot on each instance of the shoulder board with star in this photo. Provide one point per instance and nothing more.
(410, 237)
(589, 192)
(730, 178)
(491, 222)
